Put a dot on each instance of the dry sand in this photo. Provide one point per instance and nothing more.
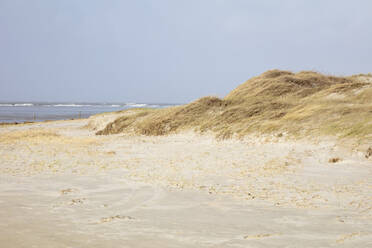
(63, 186)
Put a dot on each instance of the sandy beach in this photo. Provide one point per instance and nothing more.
(63, 186)
(185, 124)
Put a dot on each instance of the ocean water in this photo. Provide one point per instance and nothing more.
(41, 111)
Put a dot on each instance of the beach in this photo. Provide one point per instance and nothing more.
(185, 124)
(61, 185)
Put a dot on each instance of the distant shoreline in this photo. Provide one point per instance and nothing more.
(14, 123)
(31, 122)
(20, 112)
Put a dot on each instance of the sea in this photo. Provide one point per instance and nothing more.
(20, 112)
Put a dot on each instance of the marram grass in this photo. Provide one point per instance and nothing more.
(299, 104)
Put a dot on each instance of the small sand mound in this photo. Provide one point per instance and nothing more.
(123, 122)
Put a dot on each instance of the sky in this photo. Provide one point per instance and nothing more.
(167, 51)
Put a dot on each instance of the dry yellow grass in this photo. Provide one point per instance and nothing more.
(300, 104)
(29, 134)
(43, 136)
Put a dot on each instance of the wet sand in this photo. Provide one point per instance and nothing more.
(63, 186)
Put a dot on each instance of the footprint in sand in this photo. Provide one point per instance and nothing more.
(72, 202)
(68, 191)
(349, 236)
(116, 217)
(77, 201)
(60, 201)
(261, 235)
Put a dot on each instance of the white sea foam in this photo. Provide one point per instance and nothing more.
(136, 105)
(85, 105)
(71, 105)
(23, 104)
(75, 105)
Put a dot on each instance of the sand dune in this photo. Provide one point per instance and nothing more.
(297, 104)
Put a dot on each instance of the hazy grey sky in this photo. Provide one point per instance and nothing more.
(171, 50)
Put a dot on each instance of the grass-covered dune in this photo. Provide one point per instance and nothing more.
(300, 104)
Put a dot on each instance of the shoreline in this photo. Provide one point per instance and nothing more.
(41, 111)
(34, 122)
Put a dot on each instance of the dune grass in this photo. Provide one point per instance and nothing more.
(43, 136)
(300, 104)
(30, 134)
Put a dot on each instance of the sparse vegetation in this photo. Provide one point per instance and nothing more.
(334, 160)
(14, 136)
(44, 136)
(369, 152)
(300, 104)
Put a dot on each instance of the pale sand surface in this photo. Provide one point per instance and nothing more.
(63, 186)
